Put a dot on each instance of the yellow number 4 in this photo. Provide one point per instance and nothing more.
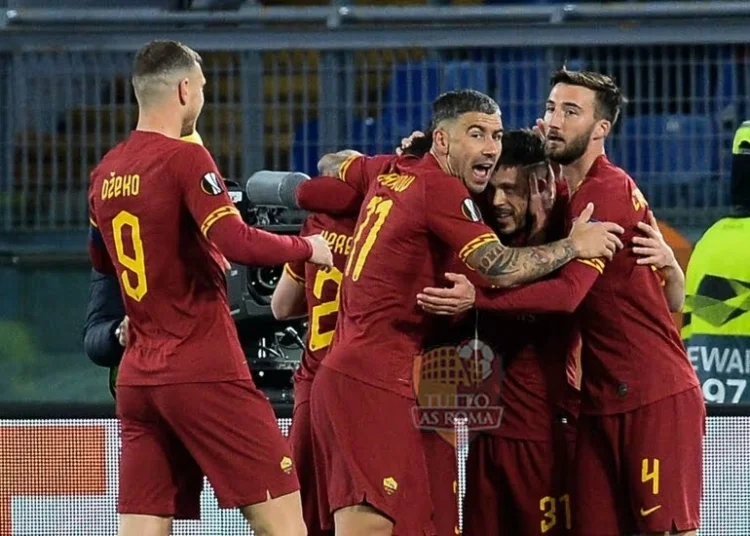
(548, 505)
(651, 474)
(135, 263)
(320, 340)
(381, 207)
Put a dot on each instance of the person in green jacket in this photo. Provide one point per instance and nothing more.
(716, 324)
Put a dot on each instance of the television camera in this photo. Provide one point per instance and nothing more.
(266, 200)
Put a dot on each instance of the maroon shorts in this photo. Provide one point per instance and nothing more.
(173, 435)
(368, 451)
(516, 486)
(301, 441)
(442, 469)
(640, 471)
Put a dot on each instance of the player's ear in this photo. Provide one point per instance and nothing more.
(183, 91)
(601, 129)
(441, 140)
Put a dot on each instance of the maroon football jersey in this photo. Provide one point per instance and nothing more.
(153, 200)
(533, 349)
(413, 217)
(632, 354)
(534, 388)
(322, 288)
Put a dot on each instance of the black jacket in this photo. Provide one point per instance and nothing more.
(104, 313)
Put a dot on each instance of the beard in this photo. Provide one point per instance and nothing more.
(187, 128)
(188, 125)
(571, 151)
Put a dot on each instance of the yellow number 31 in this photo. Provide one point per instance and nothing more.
(135, 264)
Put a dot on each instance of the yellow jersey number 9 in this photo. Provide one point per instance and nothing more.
(134, 264)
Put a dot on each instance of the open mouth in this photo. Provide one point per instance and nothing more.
(555, 138)
(481, 172)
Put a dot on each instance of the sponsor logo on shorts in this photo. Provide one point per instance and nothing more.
(650, 511)
(390, 485)
(286, 465)
(458, 385)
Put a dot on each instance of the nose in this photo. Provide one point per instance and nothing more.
(491, 147)
(498, 200)
(554, 119)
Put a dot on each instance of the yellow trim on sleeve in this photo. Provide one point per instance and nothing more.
(596, 264)
(216, 215)
(294, 275)
(93, 223)
(345, 166)
(475, 244)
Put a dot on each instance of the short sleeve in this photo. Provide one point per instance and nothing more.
(358, 170)
(454, 217)
(202, 187)
(608, 206)
(296, 271)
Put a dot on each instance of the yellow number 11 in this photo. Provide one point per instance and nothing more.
(380, 207)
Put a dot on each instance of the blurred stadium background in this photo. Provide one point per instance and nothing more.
(288, 80)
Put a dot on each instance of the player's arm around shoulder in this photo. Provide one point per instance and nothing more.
(654, 251)
(335, 164)
(506, 267)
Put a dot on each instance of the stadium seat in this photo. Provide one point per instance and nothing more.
(407, 100)
(371, 136)
(366, 135)
(464, 74)
(414, 86)
(520, 77)
(306, 147)
(672, 157)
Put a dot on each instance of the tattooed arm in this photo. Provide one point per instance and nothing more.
(506, 267)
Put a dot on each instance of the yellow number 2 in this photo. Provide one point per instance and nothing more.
(548, 505)
(135, 264)
(381, 207)
(320, 340)
(651, 474)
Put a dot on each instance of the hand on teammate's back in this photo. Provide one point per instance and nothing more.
(122, 331)
(653, 248)
(592, 240)
(321, 251)
(406, 142)
(448, 301)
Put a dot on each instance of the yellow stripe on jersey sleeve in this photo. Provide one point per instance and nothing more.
(294, 275)
(345, 166)
(93, 223)
(475, 244)
(216, 215)
(596, 264)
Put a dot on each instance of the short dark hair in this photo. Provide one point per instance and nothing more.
(608, 95)
(521, 148)
(453, 104)
(161, 58)
(421, 145)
